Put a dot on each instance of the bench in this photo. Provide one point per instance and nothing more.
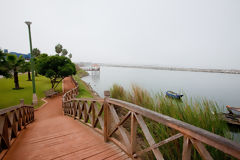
(50, 93)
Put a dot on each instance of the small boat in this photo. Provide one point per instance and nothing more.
(233, 117)
(233, 110)
(173, 95)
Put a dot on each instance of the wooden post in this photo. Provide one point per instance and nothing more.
(106, 114)
(133, 133)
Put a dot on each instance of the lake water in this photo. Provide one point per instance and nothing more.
(222, 88)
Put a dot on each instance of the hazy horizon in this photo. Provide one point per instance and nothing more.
(180, 33)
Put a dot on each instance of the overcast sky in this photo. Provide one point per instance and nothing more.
(189, 33)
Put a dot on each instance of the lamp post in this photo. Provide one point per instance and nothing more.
(34, 100)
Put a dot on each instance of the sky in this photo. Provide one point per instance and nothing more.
(180, 33)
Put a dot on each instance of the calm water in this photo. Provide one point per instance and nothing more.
(222, 88)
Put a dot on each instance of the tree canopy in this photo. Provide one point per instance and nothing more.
(4, 68)
(58, 48)
(64, 52)
(15, 64)
(56, 68)
(36, 52)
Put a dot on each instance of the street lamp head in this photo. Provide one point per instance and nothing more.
(28, 23)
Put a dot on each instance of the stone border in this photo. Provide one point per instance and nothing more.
(44, 100)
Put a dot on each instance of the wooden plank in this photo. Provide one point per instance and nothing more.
(120, 128)
(148, 136)
(187, 148)
(201, 149)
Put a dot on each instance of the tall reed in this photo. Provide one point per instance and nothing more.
(202, 113)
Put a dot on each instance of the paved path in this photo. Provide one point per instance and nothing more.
(55, 136)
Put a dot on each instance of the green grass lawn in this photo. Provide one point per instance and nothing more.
(10, 97)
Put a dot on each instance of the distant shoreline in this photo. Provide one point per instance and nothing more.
(225, 71)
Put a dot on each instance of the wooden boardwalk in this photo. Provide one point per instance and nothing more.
(55, 136)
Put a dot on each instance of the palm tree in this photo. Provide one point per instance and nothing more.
(58, 48)
(70, 55)
(64, 52)
(36, 52)
(15, 65)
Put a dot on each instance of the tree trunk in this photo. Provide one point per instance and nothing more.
(29, 76)
(36, 74)
(52, 82)
(15, 74)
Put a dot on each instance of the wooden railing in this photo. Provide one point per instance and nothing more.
(12, 121)
(101, 115)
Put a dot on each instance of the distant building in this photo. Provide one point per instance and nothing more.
(5, 51)
(25, 56)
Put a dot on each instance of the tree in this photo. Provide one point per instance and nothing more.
(15, 64)
(4, 68)
(58, 48)
(36, 52)
(26, 67)
(64, 52)
(56, 68)
(70, 55)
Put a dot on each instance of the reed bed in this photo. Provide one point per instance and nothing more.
(202, 113)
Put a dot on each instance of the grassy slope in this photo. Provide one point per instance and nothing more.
(83, 89)
(10, 97)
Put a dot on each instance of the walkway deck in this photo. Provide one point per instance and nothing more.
(55, 136)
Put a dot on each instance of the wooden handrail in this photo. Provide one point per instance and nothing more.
(12, 121)
(99, 111)
(9, 109)
(189, 130)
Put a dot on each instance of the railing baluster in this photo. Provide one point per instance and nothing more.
(148, 136)
(80, 109)
(187, 148)
(106, 116)
(133, 133)
(74, 109)
(93, 113)
(201, 149)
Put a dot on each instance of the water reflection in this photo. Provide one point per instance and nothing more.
(95, 75)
